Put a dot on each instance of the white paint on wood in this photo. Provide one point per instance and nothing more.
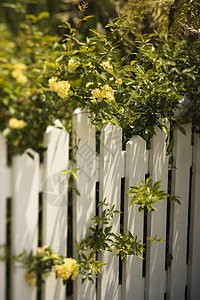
(4, 185)
(55, 201)
(177, 274)
(136, 168)
(110, 182)
(5, 192)
(3, 149)
(25, 185)
(41, 177)
(84, 205)
(28, 178)
(194, 242)
(158, 170)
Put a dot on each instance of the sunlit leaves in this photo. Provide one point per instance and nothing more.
(146, 195)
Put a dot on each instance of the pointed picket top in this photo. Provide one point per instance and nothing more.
(78, 111)
(184, 103)
(56, 158)
(57, 124)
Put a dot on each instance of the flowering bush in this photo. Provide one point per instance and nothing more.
(39, 265)
(121, 75)
(28, 104)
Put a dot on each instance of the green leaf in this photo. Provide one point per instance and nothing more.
(43, 15)
(87, 17)
(182, 130)
(170, 146)
(165, 129)
(32, 17)
(107, 229)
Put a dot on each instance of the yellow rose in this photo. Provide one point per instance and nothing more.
(107, 66)
(60, 87)
(108, 93)
(67, 270)
(30, 277)
(18, 74)
(96, 93)
(54, 255)
(72, 65)
(119, 81)
(17, 124)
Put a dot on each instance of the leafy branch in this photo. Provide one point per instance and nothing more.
(103, 239)
(147, 194)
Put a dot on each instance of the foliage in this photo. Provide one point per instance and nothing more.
(122, 75)
(26, 62)
(91, 248)
(147, 194)
(102, 239)
(130, 72)
(144, 76)
(184, 19)
(39, 265)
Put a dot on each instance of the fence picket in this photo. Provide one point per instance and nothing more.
(27, 177)
(25, 186)
(158, 169)
(55, 200)
(84, 205)
(194, 242)
(110, 182)
(136, 168)
(177, 275)
(4, 193)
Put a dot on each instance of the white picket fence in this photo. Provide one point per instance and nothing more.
(176, 224)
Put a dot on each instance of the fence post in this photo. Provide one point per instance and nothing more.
(84, 209)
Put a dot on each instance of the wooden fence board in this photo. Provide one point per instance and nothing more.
(25, 185)
(55, 202)
(177, 274)
(26, 178)
(3, 156)
(110, 183)
(158, 170)
(84, 205)
(136, 168)
(4, 193)
(194, 242)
